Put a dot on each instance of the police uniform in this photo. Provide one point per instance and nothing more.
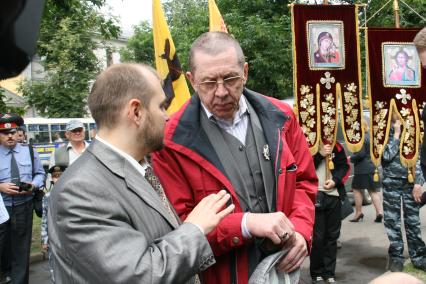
(16, 167)
(396, 188)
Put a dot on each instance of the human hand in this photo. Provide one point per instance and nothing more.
(209, 212)
(295, 256)
(417, 193)
(325, 150)
(329, 184)
(274, 226)
(397, 129)
(26, 188)
(9, 188)
(45, 247)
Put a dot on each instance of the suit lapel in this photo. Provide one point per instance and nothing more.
(135, 182)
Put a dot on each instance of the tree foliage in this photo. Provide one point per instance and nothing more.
(140, 47)
(385, 18)
(66, 47)
(263, 29)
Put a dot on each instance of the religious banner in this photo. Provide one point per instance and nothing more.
(396, 84)
(326, 71)
(167, 62)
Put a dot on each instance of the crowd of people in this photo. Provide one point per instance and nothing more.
(213, 194)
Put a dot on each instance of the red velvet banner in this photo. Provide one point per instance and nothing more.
(326, 58)
(396, 81)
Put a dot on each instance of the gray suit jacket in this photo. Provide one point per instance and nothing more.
(107, 225)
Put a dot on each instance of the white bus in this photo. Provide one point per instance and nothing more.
(44, 133)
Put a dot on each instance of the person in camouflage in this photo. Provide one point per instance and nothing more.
(396, 188)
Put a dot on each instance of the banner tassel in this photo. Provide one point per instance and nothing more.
(376, 175)
(330, 163)
(410, 176)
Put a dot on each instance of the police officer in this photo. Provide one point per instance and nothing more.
(397, 187)
(19, 179)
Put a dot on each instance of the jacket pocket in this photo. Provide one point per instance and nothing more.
(25, 167)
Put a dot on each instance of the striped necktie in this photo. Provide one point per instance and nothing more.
(155, 183)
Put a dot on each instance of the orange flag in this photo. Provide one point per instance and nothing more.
(216, 21)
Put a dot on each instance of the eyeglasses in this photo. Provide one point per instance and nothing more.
(211, 86)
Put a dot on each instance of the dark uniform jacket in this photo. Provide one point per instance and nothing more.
(362, 160)
(341, 170)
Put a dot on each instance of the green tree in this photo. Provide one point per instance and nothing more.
(140, 47)
(187, 20)
(66, 47)
(385, 18)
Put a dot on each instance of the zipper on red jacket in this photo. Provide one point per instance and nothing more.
(233, 255)
(277, 159)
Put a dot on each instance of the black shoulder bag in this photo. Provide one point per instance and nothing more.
(38, 193)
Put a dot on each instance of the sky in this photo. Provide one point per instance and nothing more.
(130, 12)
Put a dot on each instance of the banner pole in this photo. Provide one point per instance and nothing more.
(396, 12)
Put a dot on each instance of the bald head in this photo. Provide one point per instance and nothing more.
(420, 40)
(213, 43)
(116, 86)
(396, 278)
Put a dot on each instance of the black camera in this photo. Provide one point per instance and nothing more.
(24, 186)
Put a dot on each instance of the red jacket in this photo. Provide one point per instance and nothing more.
(189, 170)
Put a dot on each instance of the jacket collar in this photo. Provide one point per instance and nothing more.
(185, 129)
(5, 151)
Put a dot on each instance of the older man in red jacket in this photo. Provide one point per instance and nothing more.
(228, 137)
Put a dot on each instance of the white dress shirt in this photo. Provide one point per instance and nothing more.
(238, 127)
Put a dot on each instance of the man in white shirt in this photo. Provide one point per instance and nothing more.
(67, 154)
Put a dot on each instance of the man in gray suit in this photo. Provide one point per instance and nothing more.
(107, 223)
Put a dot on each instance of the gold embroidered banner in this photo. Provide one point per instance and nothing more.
(326, 59)
(396, 81)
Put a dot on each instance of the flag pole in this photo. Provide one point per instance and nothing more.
(396, 12)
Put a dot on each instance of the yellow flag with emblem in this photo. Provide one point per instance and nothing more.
(216, 22)
(167, 62)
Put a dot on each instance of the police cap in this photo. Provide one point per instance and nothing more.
(10, 121)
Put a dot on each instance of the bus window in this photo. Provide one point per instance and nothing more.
(92, 131)
(58, 132)
(38, 133)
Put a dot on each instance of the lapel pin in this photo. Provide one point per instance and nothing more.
(266, 152)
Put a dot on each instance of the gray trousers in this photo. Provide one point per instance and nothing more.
(395, 192)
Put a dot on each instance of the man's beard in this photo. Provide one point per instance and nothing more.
(151, 136)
